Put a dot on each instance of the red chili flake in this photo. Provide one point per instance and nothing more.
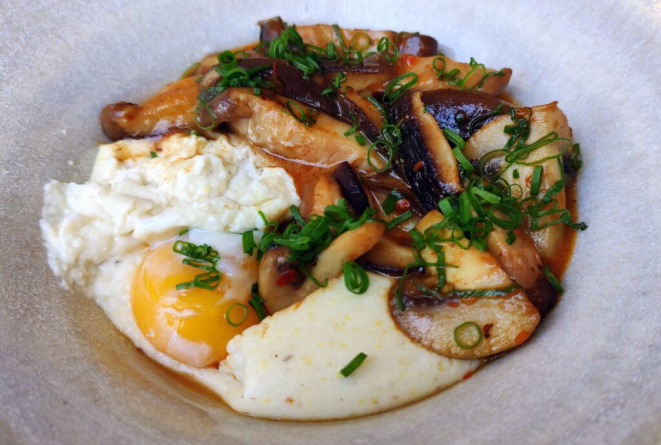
(287, 277)
(468, 375)
(403, 205)
(158, 148)
(453, 304)
(523, 336)
(409, 60)
(418, 166)
(486, 329)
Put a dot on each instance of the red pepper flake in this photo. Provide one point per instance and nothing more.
(418, 166)
(487, 330)
(468, 375)
(409, 60)
(453, 304)
(523, 336)
(403, 205)
(288, 277)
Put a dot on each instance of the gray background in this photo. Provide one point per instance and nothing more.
(591, 373)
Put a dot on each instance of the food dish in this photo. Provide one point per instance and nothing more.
(587, 376)
(326, 224)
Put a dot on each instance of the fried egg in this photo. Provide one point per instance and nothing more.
(113, 238)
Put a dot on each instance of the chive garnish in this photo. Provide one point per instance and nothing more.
(353, 364)
(536, 180)
(257, 303)
(153, 154)
(454, 138)
(248, 240)
(401, 218)
(464, 327)
(394, 88)
(355, 277)
(228, 314)
(202, 257)
(182, 232)
(553, 280)
(300, 114)
(361, 139)
(390, 202)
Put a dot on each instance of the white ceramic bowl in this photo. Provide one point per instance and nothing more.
(590, 374)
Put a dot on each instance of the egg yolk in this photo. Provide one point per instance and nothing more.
(189, 325)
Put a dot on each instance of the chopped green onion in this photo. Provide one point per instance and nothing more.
(454, 138)
(182, 232)
(463, 160)
(394, 88)
(297, 216)
(489, 197)
(302, 116)
(553, 280)
(464, 327)
(388, 50)
(448, 206)
(202, 257)
(248, 239)
(390, 203)
(229, 320)
(353, 364)
(515, 174)
(361, 139)
(403, 217)
(257, 303)
(501, 292)
(511, 237)
(355, 277)
(153, 154)
(536, 180)
(575, 157)
(391, 153)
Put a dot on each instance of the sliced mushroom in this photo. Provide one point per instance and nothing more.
(324, 191)
(475, 80)
(425, 157)
(352, 189)
(171, 108)
(523, 264)
(322, 35)
(545, 119)
(388, 256)
(372, 73)
(268, 124)
(346, 247)
(270, 29)
(417, 44)
(503, 322)
(273, 265)
(463, 112)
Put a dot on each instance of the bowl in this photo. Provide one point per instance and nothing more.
(590, 374)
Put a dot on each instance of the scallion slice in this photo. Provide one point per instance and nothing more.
(248, 239)
(553, 280)
(353, 364)
(355, 277)
(465, 327)
(536, 180)
(228, 314)
(403, 217)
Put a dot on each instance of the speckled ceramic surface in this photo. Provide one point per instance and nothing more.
(591, 375)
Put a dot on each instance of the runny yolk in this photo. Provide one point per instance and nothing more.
(188, 325)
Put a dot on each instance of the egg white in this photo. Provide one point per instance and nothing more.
(98, 233)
